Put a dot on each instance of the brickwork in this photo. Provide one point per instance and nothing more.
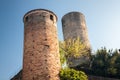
(74, 26)
(41, 51)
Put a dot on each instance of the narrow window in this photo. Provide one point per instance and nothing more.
(51, 17)
(26, 19)
(119, 50)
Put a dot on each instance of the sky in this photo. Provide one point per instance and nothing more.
(102, 19)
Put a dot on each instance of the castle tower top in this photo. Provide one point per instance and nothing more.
(74, 26)
(43, 12)
(72, 13)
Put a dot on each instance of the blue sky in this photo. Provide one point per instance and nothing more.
(102, 19)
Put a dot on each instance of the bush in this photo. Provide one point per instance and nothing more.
(71, 74)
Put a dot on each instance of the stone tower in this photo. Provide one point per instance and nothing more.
(74, 26)
(41, 59)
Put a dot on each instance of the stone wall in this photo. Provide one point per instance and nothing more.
(41, 59)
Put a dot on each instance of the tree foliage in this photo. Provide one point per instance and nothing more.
(103, 62)
(106, 63)
(71, 74)
(72, 48)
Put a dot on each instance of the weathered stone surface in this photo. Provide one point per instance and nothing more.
(74, 26)
(41, 51)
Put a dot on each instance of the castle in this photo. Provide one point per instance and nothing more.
(41, 60)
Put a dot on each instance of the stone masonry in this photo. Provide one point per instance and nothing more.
(41, 59)
(74, 26)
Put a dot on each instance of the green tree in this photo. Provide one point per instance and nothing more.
(71, 74)
(106, 63)
(72, 48)
(62, 55)
(117, 65)
(100, 62)
(111, 69)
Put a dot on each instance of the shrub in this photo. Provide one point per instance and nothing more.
(71, 74)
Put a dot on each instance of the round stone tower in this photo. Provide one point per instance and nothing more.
(74, 26)
(41, 59)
